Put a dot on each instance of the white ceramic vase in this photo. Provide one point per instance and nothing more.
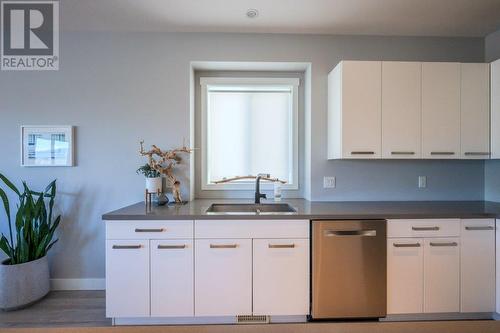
(153, 185)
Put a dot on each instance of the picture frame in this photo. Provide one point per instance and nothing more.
(47, 146)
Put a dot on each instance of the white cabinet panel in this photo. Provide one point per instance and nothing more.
(355, 109)
(477, 265)
(401, 109)
(423, 228)
(440, 110)
(498, 264)
(405, 275)
(223, 277)
(280, 277)
(495, 108)
(149, 229)
(172, 279)
(127, 278)
(442, 275)
(475, 111)
(214, 229)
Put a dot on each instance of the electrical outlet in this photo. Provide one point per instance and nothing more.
(328, 182)
(422, 181)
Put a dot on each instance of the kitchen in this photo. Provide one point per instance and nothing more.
(374, 137)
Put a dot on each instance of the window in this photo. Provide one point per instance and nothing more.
(249, 126)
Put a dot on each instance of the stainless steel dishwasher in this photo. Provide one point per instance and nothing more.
(349, 269)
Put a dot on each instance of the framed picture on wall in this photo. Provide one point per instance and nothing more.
(43, 146)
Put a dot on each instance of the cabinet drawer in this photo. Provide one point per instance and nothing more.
(149, 229)
(423, 228)
(251, 229)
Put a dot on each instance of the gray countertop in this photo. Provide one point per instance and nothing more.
(196, 209)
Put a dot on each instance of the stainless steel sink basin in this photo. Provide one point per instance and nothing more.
(251, 209)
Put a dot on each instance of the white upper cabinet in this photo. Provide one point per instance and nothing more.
(495, 109)
(475, 111)
(401, 109)
(440, 110)
(354, 110)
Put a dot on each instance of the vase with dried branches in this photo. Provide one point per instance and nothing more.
(164, 161)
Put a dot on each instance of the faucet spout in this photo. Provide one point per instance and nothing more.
(259, 195)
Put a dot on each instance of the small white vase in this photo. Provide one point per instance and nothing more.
(153, 185)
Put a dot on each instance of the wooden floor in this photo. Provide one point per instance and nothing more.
(84, 312)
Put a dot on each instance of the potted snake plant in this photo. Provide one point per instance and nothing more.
(24, 275)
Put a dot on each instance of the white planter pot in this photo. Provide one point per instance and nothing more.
(153, 185)
(23, 284)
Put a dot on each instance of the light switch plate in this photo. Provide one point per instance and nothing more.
(422, 181)
(328, 182)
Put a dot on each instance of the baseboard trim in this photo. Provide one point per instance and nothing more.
(439, 316)
(77, 284)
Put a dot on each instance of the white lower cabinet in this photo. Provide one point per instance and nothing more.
(441, 266)
(442, 275)
(405, 275)
(280, 277)
(477, 262)
(223, 277)
(172, 278)
(127, 278)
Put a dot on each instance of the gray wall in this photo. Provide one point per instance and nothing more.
(492, 168)
(118, 88)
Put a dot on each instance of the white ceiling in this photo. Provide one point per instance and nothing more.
(360, 17)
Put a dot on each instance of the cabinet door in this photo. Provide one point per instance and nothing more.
(442, 275)
(223, 277)
(475, 111)
(127, 278)
(401, 109)
(440, 110)
(172, 278)
(280, 277)
(477, 265)
(405, 275)
(495, 108)
(361, 109)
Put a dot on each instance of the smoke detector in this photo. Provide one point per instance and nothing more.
(252, 13)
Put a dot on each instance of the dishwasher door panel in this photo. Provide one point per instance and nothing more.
(349, 269)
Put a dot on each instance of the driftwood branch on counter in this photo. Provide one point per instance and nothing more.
(227, 180)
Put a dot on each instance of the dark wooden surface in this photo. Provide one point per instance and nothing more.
(61, 309)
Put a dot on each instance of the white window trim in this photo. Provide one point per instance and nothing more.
(207, 81)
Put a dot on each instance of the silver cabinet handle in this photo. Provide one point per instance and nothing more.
(406, 244)
(425, 228)
(474, 153)
(126, 247)
(281, 246)
(402, 153)
(362, 152)
(480, 228)
(343, 233)
(171, 247)
(443, 244)
(442, 153)
(223, 246)
(149, 230)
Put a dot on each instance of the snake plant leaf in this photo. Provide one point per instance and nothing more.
(6, 206)
(9, 184)
(5, 247)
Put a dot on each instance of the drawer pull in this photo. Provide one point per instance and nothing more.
(362, 153)
(480, 228)
(473, 153)
(126, 247)
(171, 247)
(443, 244)
(406, 244)
(223, 246)
(402, 153)
(425, 228)
(281, 246)
(343, 233)
(442, 153)
(149, 230)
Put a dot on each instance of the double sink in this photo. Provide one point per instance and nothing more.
(251, 209)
